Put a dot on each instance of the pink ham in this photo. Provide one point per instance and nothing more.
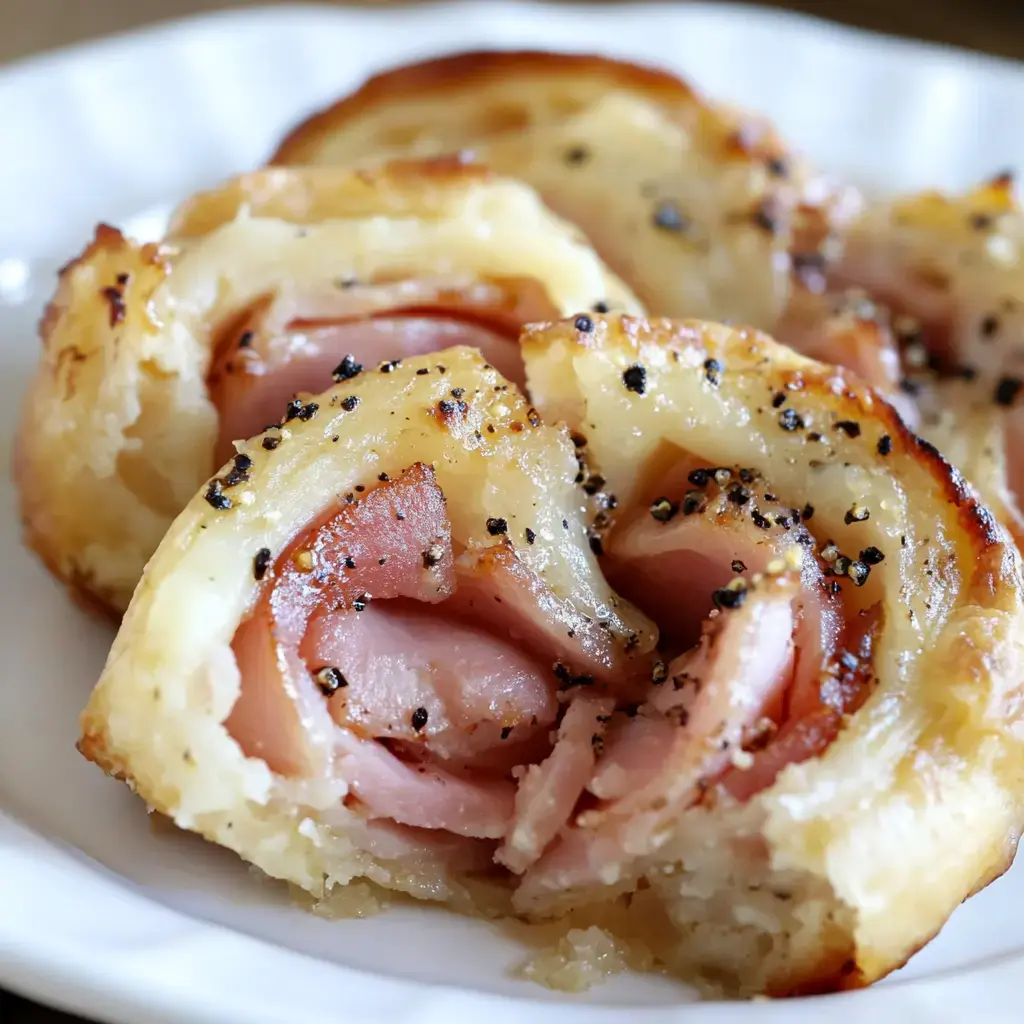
(709, 696)
(289, 344)
(549, 791)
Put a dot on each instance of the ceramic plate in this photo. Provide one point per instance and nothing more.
(101, 913)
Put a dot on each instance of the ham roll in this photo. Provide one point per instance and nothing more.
(157, 358)
(831, 759)
(698, 207)
(386, 645)
(949, 269)
(351, 654)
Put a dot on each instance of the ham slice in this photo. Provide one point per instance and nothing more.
(285, 344)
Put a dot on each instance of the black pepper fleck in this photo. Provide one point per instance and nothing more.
(270, 443)
(884, 444)
(347, 369)
(779, 400)
(635, 379)
(360, 603)
(871, 556)
(419, 719)
(738, 566)
(348, 404)
(496, 527)
(216, 496)
(260, 563)
(584, 324)
(530, 535)
(857, 514)
(390, 365)
(851, 428)
(1007, 390)
(330, 680)
(713, 372)
(790, 419)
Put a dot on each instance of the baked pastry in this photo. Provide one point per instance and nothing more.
(382, 647)
(698, 207)
(346, 642)
(948, 267)
(882, 677)
(156, 358)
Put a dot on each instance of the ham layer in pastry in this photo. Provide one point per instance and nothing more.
(157, 358)
(382, 646)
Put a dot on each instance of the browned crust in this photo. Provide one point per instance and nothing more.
(56, 376)
(988, 543)
(460, 72)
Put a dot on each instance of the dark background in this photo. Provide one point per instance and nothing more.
(994, 26)
(31, 26)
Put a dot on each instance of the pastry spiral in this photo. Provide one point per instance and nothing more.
(157, 358)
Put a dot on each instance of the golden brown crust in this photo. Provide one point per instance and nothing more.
(576, 78)
(684, 199)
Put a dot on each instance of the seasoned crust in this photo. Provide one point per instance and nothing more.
(695, 205)
(917, 803)
(118, 428)
(157, 716)
(95, 491)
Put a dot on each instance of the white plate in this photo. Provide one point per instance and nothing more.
(101, 914)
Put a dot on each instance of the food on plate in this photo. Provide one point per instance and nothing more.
(157, 358)
(351, 636)
(383, 646)
(866, 641)
(700, 208)
(949, 268)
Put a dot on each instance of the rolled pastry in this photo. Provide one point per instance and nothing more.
(156, 358)
(349, 639)
(382, 647)
(698, 207)
(834, 759)
(949, 266)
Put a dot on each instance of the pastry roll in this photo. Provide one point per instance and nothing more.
(949, 268)
(831, 758)
(696, 206)
(386, 646)
(157, 358)
(351, 637)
